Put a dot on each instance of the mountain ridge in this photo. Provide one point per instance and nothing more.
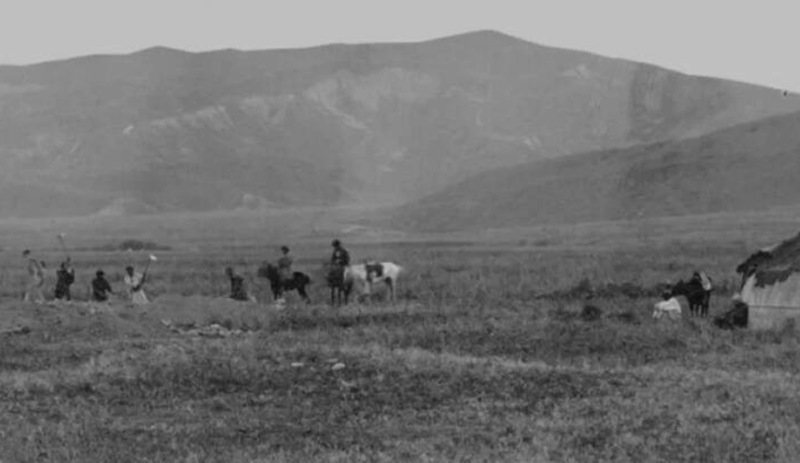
(748, 167)
(332, 124)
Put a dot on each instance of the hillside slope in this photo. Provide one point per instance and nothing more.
(749, 167)
(338, 124)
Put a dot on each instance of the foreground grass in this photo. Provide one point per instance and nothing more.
(415, 385)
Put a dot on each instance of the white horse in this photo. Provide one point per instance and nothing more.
(367, 274)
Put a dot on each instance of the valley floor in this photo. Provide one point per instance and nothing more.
(485, 357)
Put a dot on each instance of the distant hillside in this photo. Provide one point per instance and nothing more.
(749, 167)
(166, 130)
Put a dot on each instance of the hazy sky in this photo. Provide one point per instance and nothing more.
(738, 39)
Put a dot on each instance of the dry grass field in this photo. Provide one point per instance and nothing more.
(484, 357)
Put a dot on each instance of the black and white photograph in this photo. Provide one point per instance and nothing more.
(399, 231)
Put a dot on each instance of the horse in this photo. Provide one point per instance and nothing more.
(372, 272)
(697, 296)
(340, 283)
(298, 282)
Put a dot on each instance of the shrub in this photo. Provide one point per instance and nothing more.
(591, 313)
(134, 245)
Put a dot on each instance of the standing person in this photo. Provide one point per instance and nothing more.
(238, 292)
(35, 281)
(340, 257)
(285, 265)
(100, 287)
(135, 283)
(65, 276)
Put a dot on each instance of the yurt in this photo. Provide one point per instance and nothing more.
(771, 285)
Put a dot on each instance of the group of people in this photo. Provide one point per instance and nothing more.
(101, 289)
(669, 304)
(134, 281)
(339, 258)
(65, 278)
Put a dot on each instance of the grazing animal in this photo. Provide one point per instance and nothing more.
(278, 285)
(339, 282)
(697, 296)
(370, 273)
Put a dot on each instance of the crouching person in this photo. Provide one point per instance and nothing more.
(669, 305)
(238, 291)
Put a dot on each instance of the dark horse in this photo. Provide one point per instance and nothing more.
(697, 296)
(298, 282)
(340, 284)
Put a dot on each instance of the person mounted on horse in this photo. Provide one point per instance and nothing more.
(283, 278)
(285, 265)
(340, 257)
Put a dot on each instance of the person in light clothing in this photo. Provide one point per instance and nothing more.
(35, 280)
(135, 283)
(703, 279)
(669, 305)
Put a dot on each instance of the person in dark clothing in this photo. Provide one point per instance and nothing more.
(238, 293)
(65, 277)
(340, 256)
(100, 287)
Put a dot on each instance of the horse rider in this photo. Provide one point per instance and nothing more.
(285, 265)
(340, 258)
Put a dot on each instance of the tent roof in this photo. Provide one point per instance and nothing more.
(773, 264)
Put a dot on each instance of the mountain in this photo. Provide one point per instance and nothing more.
(752, 166)
(167, 130)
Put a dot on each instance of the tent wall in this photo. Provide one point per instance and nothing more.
(771, 306)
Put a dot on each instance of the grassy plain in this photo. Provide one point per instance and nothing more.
(485, 357)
